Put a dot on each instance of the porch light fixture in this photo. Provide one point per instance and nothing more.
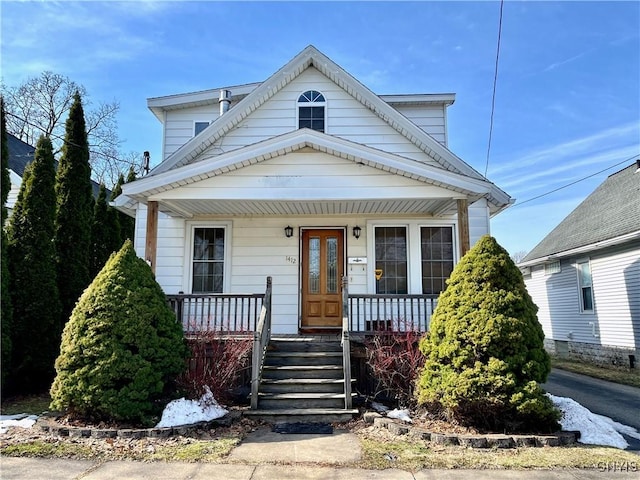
(288, 231)
(356, 231)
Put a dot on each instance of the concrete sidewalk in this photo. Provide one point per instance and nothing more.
(59, 469)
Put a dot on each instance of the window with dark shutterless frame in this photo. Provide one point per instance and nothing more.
(208, 260)
(436, 244)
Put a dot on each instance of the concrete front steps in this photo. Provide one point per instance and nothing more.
(302, 381)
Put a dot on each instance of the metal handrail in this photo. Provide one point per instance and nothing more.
(261, 338)
(346, 344)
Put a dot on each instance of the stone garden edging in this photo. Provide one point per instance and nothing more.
(473, 441)
(55, 428)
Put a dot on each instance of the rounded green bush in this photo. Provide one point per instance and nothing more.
(122, 346)
(484, 351)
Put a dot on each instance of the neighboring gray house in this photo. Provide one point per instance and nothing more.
(20, 155)
(585, 275)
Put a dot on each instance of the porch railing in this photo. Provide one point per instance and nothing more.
(390, 312)
(261, 337)
(346, 344)
(231, 313)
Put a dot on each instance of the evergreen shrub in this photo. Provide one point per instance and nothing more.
(122, 347)
(484, 352)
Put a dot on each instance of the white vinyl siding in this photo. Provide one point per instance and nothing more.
(616, 285)
(478, 221)
(615, 274)
(346, 117)
(179, 125)
(306, 176)
(431, 119)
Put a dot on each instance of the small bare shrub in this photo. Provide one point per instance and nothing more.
(217, 361)
(395, 360)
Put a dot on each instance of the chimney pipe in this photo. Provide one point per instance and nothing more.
(224, 101)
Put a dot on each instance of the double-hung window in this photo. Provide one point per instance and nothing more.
(208, 260)
(585, 286)
(436, 244)
(311, 110)
(391, 260)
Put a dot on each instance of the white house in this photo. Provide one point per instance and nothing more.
(308, 177)
(585, 275)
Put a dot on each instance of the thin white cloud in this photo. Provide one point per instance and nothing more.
(627, 134)
(569, 170)
(555, 65)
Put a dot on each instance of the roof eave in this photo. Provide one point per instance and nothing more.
(583, 249)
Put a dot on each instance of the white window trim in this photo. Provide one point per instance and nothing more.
(414, 255)
(187, 281)
(552, 267)
(593, 296)
(312, 104)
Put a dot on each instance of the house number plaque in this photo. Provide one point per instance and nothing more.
(291, 259)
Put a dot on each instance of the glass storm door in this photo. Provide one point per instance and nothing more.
(322, 267)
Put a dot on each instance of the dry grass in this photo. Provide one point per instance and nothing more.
(414, 455)
(616, 375)
(31, 404)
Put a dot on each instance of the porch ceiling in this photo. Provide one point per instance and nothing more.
(196, 207)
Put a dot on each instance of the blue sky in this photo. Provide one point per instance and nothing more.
(568, 91)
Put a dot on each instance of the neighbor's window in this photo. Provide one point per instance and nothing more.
(199, 127)
(586, 288)
(436, 244)
(553, 267)
(311, 110)
(208, 260)
(391, 259)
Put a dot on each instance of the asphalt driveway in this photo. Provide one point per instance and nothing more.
(619, 402)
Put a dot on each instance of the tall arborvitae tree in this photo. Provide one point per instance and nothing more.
(105, 232)
(127, 223)
(74, 212)
(34, 292)
(6, 311)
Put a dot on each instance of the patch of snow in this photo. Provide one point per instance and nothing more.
(184, 412)
(594, 429)
(378, 407)
(22, 420)
(400, 415)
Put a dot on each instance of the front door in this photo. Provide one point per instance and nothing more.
(322, 269)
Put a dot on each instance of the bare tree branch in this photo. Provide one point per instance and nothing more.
(40, 106)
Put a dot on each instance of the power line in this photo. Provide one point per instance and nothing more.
(574, 182)
(495, 82)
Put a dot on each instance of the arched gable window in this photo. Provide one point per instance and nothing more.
(311, 110)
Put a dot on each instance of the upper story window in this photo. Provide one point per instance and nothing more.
(553, 267)
(311, 110)
(199, 127)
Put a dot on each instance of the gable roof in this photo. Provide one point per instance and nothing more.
(20, 154)
(310, 56)
(178, 177)
(610, 214)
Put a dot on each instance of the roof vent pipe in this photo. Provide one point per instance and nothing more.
(224, 101)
